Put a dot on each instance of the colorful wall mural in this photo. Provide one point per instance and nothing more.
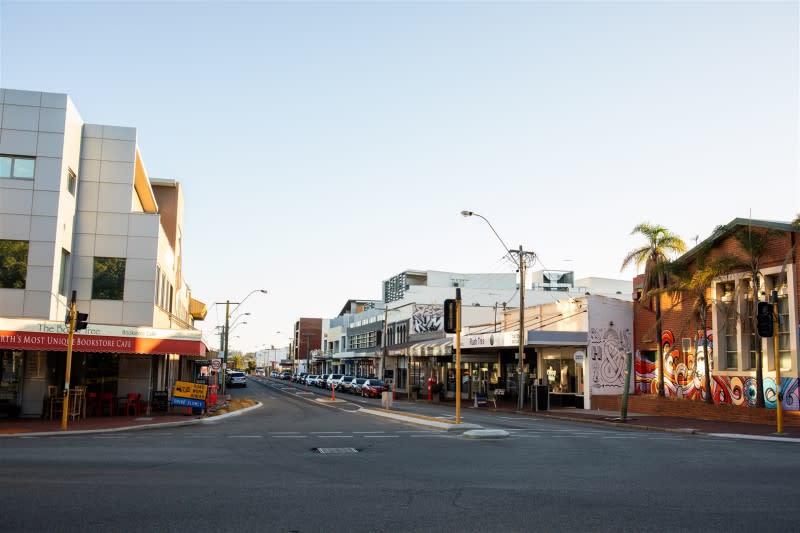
(684, 376)
(428, 318)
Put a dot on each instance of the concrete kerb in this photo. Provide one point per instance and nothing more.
(421, 420)
(215, 418)
(620, 424)
(157, 425)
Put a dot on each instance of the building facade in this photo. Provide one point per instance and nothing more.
(78, 212)
(729, 332)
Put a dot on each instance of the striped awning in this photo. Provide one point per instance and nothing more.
(432, 348)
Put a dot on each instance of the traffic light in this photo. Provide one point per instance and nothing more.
(764, 319)
(81, 321)
(450, 316)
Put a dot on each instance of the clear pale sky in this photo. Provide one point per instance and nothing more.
(324, 147)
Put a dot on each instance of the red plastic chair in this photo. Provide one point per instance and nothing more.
(107, 400)
(132, 404)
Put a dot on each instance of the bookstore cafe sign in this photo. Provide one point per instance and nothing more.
(21, 334)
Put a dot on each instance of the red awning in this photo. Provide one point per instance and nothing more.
(26, 340)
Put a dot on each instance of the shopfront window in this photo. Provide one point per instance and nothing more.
(10, 376)
(560, 375)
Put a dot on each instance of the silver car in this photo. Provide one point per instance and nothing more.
(237, 379)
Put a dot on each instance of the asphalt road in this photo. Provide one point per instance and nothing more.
(263, 471)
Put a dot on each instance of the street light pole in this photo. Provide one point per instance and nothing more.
(520, 262)
(226, 331)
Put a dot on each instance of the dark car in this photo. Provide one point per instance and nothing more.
(372, 388)
(355, 385)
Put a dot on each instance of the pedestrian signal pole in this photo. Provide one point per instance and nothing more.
(73, 313)
(776, 350)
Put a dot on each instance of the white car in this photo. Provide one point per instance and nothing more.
(237, 379)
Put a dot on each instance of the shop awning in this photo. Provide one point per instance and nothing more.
(558, 338)
(432, 348)
(23, 334)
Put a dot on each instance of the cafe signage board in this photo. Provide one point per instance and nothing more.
(186, 389)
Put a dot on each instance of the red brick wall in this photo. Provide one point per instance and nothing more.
(646, 404)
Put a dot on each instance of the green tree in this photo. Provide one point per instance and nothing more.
(654, 256)
(696, 284)
(755, 242)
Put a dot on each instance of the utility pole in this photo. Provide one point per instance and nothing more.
(458, 355)
(225, 353)
(522, 258)
(308, 351)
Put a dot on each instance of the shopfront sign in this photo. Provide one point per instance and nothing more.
(19, 334)
(187, 389)
(579, 356)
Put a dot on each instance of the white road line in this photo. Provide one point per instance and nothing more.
(245, 436)
(426, 436)
(381, 436)
(288, 436)
(335, 436)
(367, 432)
(284, 432)
(620, 437)
(326, 432)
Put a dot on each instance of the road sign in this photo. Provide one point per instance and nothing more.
(216, 364)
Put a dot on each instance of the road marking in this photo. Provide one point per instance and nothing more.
(245, 436)
(425, 436)
(335, 436)
(326, 432)
(288, 436)
(381, 436)
(367, 432)
(284, 432)
(569, 436)
(619, 437)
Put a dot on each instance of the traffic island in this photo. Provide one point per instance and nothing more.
(486, 434)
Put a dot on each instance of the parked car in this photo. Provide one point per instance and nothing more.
(355, 386)
(301, 377)
(286, 375)
(273, 374)
(321, 380)
(311, 379)
(345, 383)
(333, 380)
(237, 379)
(372, 388)
(341, 383)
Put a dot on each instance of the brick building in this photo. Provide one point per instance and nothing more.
(732, 340)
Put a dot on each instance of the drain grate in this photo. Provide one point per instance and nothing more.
(334, 451)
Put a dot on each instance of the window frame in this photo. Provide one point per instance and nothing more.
(113, 293)
(21, 281)
(13, 165)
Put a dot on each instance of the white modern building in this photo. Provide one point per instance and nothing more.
(402, 338)
(78, 212)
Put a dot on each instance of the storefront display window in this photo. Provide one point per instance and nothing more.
(10, 376)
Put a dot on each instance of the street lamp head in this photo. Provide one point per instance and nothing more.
(262, 291)
(466, 213)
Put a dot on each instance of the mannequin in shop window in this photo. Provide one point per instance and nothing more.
(565, 379)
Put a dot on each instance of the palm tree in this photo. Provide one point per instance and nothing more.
(654, 256)
(755, 245)
(696, 284)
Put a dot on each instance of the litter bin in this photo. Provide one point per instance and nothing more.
(541, 399)
(386, 400)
